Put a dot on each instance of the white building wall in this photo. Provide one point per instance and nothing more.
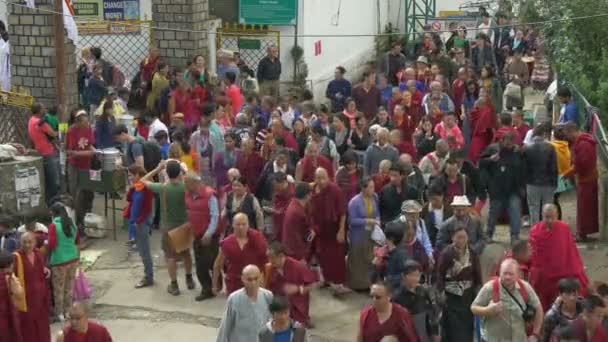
(326, 17)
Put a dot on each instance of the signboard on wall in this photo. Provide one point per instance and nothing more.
(268, 12)
(92, 9)
(121, 9)
(107, 9)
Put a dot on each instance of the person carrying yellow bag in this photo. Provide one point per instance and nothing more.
(11, 293)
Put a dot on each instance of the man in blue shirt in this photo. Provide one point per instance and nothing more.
(9, 237)
(338, 90)
(569, 111)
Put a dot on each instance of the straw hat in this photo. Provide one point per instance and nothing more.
(460, 201)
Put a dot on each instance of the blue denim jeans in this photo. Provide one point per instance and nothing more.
(513, 206)
(52, 171)
(142, 239)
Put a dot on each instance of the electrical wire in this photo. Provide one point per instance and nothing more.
(242, 34)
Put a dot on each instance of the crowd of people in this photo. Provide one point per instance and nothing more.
(381, 189)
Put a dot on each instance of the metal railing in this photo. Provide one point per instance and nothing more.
(14, 115)
(123, 43)
(249, 41)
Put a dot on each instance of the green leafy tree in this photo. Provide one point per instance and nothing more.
(577, 49)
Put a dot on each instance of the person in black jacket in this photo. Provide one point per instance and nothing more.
(279, 164)
(435, 213)
(568, 307)
(453, 183)
(395, 193)
(417, 299)
(541, 171)
(502, 172)
(468, 169)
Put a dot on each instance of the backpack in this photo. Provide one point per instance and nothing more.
(496, 290)
(152, 154)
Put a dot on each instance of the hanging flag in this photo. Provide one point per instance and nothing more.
(317, 48)
(68, 18)
(68, 21)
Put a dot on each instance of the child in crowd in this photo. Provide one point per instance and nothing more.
(162, 138)
(9, 237)
(40, 230)
(51, 118)
(140, 212)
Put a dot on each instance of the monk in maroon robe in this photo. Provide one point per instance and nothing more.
(251, 164)
(517, 140)
(483, 123)
(81, 329)
(281, 197)
(298, 228)
(305, 170)
(521, 253)
(554, 256)
(330, 218)
(289, 277)
(244, 247)
(279, 130)
(584, 168)
(383, 318)
(30, 268)
(404, 123)
(9, 286)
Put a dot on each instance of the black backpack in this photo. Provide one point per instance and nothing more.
(152, 154)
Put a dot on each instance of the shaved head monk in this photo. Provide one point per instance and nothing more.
(243, 246)
(584, 169)
(246, 309)
(306, 167)
(329, 221)
(286, 276)
(554, 256)
(298, 227)
(81, 328)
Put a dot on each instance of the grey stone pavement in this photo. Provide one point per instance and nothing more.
(153, 315)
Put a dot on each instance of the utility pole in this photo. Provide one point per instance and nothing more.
(60, 61)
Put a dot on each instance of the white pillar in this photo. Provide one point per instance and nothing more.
(211, 42)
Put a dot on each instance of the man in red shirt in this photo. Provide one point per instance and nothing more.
(81, 329)
(588, 326)
(80, 150)
(244, 247)
(520, 124)
(383, 318)
(42, 134)
(506, 126)
(234, 93)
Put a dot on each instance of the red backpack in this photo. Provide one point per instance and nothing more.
(496, 290)
(522, 291)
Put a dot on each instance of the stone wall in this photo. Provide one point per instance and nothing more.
(178, 48)
(33, 65)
